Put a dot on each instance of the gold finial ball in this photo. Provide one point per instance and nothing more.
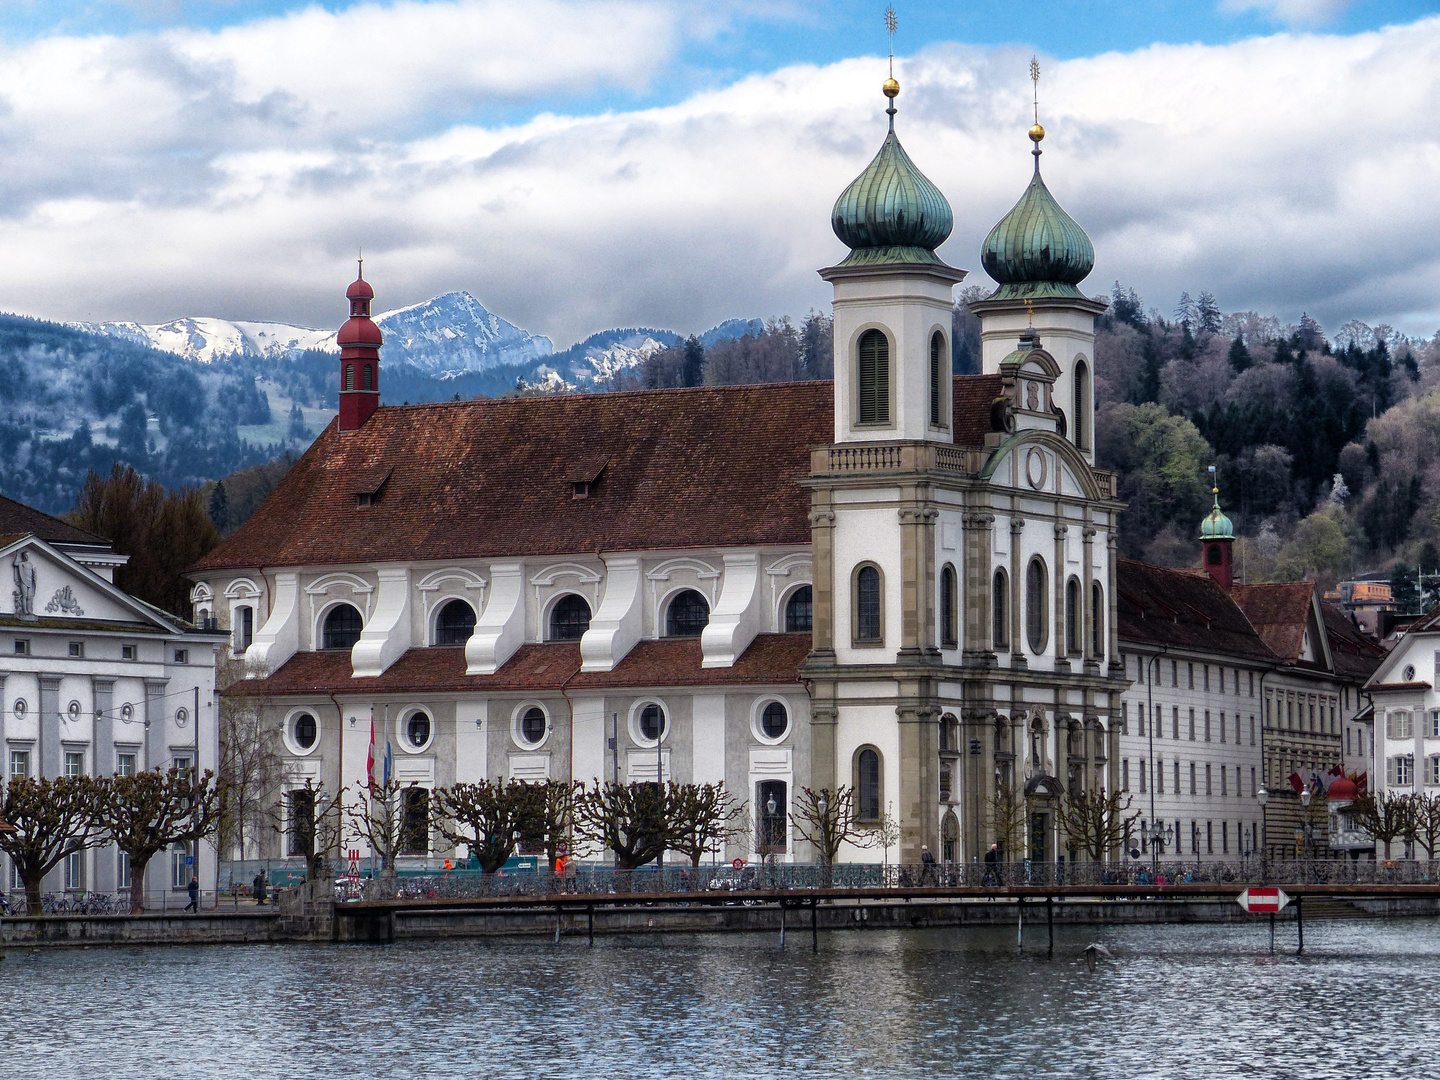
(891, 88)
(1037, 133)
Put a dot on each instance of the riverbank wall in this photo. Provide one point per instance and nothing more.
(322, 923)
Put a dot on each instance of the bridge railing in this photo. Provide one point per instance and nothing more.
(600, 880)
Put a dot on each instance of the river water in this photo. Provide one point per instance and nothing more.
(1175, 1001)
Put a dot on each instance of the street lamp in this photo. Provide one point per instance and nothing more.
(824, 807)
(1262, 797)
(1305, 836)
(1160, 836)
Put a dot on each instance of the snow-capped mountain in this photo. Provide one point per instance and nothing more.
(447, 335)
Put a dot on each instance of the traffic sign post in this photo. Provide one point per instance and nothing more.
(1266, 901)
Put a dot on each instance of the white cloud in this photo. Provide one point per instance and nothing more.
(1293, 12)
(1287, 173)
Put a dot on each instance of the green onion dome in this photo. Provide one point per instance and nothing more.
(1216, 525)
(1037, 249)
(891, 212)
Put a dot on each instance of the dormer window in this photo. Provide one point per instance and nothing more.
(368, 485)
(584, 475)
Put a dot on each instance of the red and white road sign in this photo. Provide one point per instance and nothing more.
(1263, 901)
(738, 864)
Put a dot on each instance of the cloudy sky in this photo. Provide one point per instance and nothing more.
(582, 164)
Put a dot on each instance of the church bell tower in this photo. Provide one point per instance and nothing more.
(359, 340)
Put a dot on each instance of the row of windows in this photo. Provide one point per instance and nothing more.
(1157, 728)
(367, 377)
(1037, 612)
(1156, 665)
(531, 727)
(1291, 709)
(75, 763)
(1400, 770)
(687, 614)
(1216, 778)
(1400, 724)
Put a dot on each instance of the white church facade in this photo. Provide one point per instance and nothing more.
(902, 581)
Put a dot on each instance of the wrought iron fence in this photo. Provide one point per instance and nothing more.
(159, 902)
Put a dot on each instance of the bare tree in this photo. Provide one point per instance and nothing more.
(50, 819)
(483, 816)
(311, 823)
(390, 820)
(1384, 816)
(825, 818)
(886, 832)
(145, 813)
(548, 816)
(626, 819)
(1096, 822)
(1426, 823)
(702, 818)
(251, 765)
(1006, 819)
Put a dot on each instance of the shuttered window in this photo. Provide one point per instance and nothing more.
(874, 378)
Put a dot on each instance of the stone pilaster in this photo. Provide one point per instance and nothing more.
(822, 595)
(919, 802)
(978, 572)
(1062, 647)
(1017, 619)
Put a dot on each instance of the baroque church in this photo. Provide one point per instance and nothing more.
(901, 581)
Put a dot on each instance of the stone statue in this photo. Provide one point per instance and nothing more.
(24, 584)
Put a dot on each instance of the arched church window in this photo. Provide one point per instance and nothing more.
(799, 611)
(342, 627)
(1097, 624)
(1082, 405)
(937, 379)
(1000, 611)
(569, 618)
(874, 378)
(868, 613)
(949, 608)
(867, 784)
(687, 615)
(1074, 612)
(1035, 613)
(455, 623)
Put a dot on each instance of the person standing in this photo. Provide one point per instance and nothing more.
(992, 865)
(927, 865)
(194, 890)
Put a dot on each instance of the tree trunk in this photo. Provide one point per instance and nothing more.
(137, 886)
(33, 899)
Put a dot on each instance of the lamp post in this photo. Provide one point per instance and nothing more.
(1262, 797)
(824, 807)
(1305, 836)
(1160, 836)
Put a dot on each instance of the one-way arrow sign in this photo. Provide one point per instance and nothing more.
(1263, 901)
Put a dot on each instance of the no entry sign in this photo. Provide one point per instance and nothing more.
(1263, 901)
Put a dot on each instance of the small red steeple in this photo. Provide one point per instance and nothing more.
(359, 340)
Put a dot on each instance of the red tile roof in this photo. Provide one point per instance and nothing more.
(703, 467)
(771, 660)
(1356, 654)
(1280, 612)
(1180, 609)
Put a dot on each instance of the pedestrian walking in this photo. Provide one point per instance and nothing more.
(194, 890)
(927, 865)
(992, 865)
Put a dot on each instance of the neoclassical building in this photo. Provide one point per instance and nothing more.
(94, 682)
(902, 581)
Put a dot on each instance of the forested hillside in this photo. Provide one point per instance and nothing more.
(1327, 450)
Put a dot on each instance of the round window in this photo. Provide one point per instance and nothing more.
(652, 721)
(532, 726)
(305, 731)
(1409, 672)
(775, 720)
(417, 729)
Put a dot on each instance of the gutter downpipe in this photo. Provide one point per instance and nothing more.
(1150, 729)
(1264, 769)
(339, 780)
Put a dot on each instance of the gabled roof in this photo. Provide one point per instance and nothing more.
(1181, 609)
(17, 520)
(770, 660)
(703, 467)
(1281, 612)
(1356, 655)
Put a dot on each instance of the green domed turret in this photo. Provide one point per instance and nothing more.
(1216, 525)
(1037, 250)
(891, 212)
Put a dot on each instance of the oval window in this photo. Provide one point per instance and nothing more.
(305, 731)
(652, 722)
(417, 729)
(532, 726)
(775, 720)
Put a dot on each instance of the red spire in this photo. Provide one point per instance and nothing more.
(359, 340)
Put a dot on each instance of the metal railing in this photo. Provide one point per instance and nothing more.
(158, 902)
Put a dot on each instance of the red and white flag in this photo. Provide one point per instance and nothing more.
(370, 756)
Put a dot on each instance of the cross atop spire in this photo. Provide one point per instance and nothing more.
(891, 87)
